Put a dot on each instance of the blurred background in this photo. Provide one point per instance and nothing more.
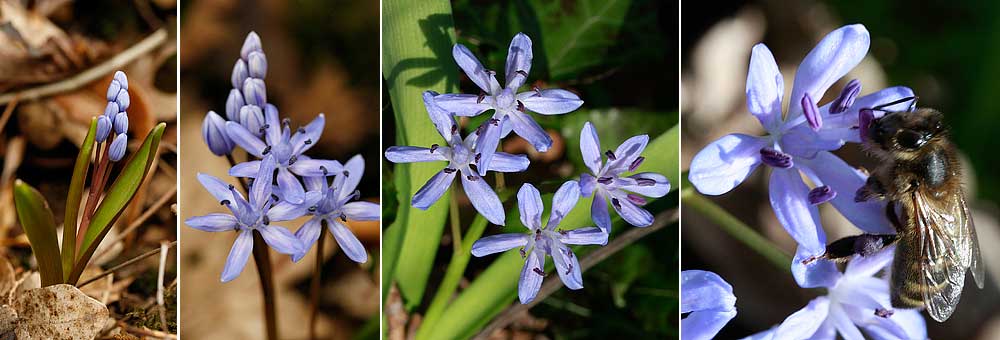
(621, 58)
(322, 57)
(77, 47)
(945, 52)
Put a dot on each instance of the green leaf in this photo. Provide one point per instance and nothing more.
(578, 35)
(74, 197)
(417, 40)
(40, 226)
(496, 287)
(118, 197)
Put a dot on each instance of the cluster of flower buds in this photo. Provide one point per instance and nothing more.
(115, 118)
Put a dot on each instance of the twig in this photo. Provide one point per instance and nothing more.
(8, 111)
(92, 74)
(551, 285)
(142, 219)
(159, 286)
(146, 331)
(314, 289)
(124, 264)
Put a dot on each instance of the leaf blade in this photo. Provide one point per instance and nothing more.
(38, 223)
(74, 197)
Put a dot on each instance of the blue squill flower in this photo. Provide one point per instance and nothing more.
(800, 144)
(609, 186)
(461, 159)
(709, 303)
(338, 203)
(114, 117)
(213, 131)
(857, 303)
(508, 105)
(287, 149)
(258, 213)
(544, 240)
(116, 151)
(246, 100)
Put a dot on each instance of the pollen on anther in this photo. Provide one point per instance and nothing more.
(610, 154)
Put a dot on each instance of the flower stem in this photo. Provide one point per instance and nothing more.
(96, 187)
(452, 276)
(263, 261)
(736, 228)
(456, 227)
(314, 289)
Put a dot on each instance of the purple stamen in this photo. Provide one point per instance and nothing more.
(522, 72)
(479, 100)
(538, 271)
(605, 180)
(645, 182)
(821, 194)
(472, 178)
(449, 170)
(846, 97)
(616, 203)
(343, 217)
(635, 164)
(434, 147)
(636, 199)
(454, 129)
(775, 158)
(479, 156)
(811, 112)
(520, 106)
(883, 313)
(865, 118)
(610, 154)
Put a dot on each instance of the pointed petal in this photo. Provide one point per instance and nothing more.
(281, 240)
(315, 183)
(649, 184)
(260, 190)
(238, 256)
(286, 211)
(584, 236)
(529, 205)
(631, 213)
(290, 187)
(475, 70)
(590, 148)
(245, 169)
(246, 140)
(362, 211)
(483, 198)
(498, 243)
(562, 202)
(702, 290)
(845, 180)
(567, 266)
(531, 280)
(307, 234)
(464, 105)
(272, 134)
(348, 242)
(810, 272)
(765, 86)
(804, 323)
(725, 163)
(216, 187)
(626, 153)
(789, 199)
(599, 212)
(843, 324)
(527, 128)
(829, 61)
(432, 190)
(315, 167)
(411, 154)
(505, 162)
(213, 222)
(551, 101)
(705, 324)
(518, 61)
(486, 143)
(306, 137)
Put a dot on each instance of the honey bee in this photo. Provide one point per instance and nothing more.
(920, 179)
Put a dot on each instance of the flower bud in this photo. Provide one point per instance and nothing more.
(240, 74)
(233, 104)
(213, 131)
(257, 64)
(111, 110)
(103, 128)
(252, 118)
(117, 150)
(121, 123)
(254, 92)
(251, 44)
(122, 79)
(123, 100)
(113, 90)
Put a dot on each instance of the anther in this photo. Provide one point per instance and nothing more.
(479, 156)
(610, 154)
(479, 100)
(883, 313)
(523, 254)
(846, 97)
(616, 203)
(454, 129)
(308, 142)
(538, 91)
(286, 122)
(449, 170)
(538, 271)
(522, 72)
(231, 187)
(224, 202)
(434, 147)
(312, 209)
(472, 178)
(636, 199)
(292, 160)
(821, 194)
(635, 164)
(266, 220)
(324, 170)
(346, 173)
(811, 111)
(775, 158)
(495, 122)
(645, 182)
(343, 217)
(267, 150)
(301, 130)
(520, 106)
(605, 180)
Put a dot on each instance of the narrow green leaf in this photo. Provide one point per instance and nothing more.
(40, 226)
(496, 287)
(118, 197)
(417, 42)
(73, 199)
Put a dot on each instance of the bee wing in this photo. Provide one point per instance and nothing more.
(975, 259)
(946, 251)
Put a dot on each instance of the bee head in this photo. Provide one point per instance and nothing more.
(906, 130)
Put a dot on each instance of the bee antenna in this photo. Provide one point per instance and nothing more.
(913, 104)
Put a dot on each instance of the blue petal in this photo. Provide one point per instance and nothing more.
(255, 92)
(316, 167)
(562, 202)
(805, 322)
(530, 281)
(245, 169)
(238, 256)
(291, 188)
(599, 212)
(518, 59)
(725, 163)
(233, 104)
(505, 162)
(465, 105)
(630, 212)
(260, 190)
(412, 154)
(432, 190)
(213, 132)
(704, 325)
(348, 242)
(845, 327)
(272, 133)
(639, 183)
(246, 140)
(865, 266)
(443, 120)
(789, 199)
(281, 240)
(590, 148)
(309, 135)
(250, 44)
(483, 198)
(486, 143)
(551, 101)
(362, 211)
(829, 61)
(216, 187)
(213, 222)
(627, 153)
(117, 149)
(849, 118)
(498, 243)
(475, 70)
(529, 204)
(703, 290)
(307, 234)
(239, 74)
(810, 272)
(257, 65)
(584, 236)
(567, 266)
(844, 179)
(527, 128)
(765, 87)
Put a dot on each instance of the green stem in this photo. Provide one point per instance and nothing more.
(456, 222)
(453, 275)
(735, 228)
(314, 290)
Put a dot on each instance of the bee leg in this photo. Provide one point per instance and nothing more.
(873, 189)
(865, 244)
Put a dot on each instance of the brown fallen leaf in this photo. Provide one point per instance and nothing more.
(59, 312)
(7, 281)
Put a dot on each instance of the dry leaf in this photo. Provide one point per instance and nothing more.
(59, 312)
(7, 280)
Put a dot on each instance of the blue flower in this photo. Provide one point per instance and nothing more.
(508, 105)
(544, 240)
(461, 159)
(855, 299)
(800, 144)
(337, 203)
(257, 213)
(710, 302)
(608, 184)
(248, 96)
(115, 118)
(287, 149)
(116, 151)
(213, 131)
